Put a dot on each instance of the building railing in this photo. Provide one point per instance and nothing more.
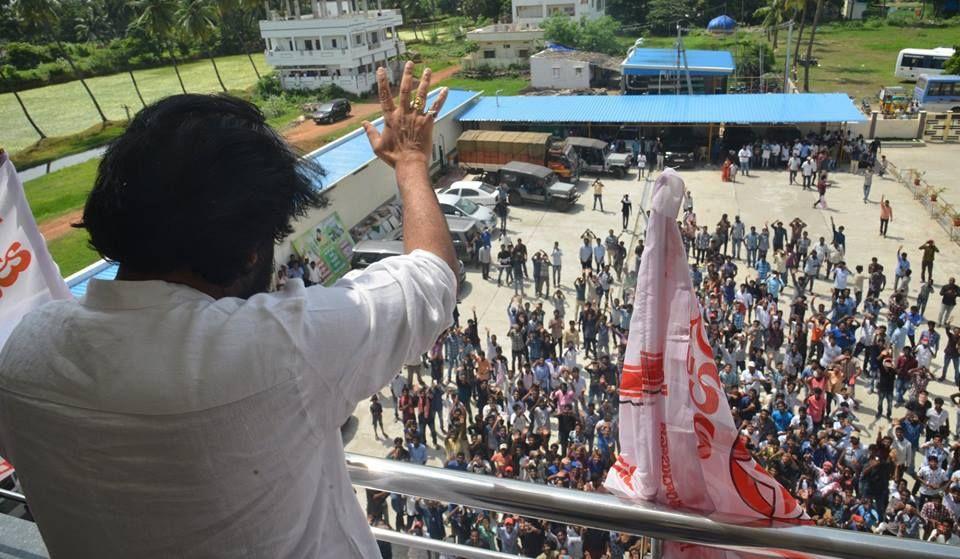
(941, 210)
(606, 512)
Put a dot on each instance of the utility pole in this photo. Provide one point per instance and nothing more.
(682, 53)
(786, 66)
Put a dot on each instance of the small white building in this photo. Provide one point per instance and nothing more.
(532, 12)
(502, 45)
(562, 68)
(853, 9)
(340, 42)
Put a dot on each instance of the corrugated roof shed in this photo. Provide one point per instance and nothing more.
(642, 61)
(101, 270)
(353, 152)
(768, 108)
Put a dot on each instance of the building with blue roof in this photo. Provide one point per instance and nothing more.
(655, 71)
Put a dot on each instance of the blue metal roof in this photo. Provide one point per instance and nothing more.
(101, 270)
(764, 108)
(643, 61)
(352, 152)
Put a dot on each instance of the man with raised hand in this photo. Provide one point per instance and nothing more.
(182, 410)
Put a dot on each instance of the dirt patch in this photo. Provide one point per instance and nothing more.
(60, 226)
(309, 136)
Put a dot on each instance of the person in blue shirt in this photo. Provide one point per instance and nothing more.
(763, 268)
(774, 285)
(911, 319)
(782, 417)
(417, 450)
(458, 463)
(696, 276)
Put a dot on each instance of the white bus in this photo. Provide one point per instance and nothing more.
(913, 62)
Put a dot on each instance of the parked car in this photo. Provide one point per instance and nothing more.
(526, 182)
(457, 206)
(366, 253)
(679, 157)
(477, 192)
(331, 111)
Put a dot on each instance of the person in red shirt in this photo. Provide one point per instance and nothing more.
(816, 407)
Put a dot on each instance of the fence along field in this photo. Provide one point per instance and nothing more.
(65, 108)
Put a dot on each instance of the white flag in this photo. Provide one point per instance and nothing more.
(28, 276)
(679, 444)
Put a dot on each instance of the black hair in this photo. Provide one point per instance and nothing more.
(198, 183)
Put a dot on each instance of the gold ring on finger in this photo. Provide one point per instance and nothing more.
(417, 103)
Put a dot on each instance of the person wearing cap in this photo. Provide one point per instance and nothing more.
(508, 535)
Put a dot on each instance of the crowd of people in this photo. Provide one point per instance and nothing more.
(798, 335)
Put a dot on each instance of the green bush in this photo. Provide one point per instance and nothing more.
(274, 106)
(25, 56)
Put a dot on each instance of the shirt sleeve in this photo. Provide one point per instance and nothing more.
(389, 314)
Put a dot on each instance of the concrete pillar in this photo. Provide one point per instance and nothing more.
(922, 126)
(873, 124)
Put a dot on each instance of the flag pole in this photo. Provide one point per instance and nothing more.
(656, 548)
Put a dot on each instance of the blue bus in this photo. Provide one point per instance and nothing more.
(938, 94)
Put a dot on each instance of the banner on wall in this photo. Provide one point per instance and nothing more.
(330, 245)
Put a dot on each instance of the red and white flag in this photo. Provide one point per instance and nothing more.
(28, 276)
(679, 446)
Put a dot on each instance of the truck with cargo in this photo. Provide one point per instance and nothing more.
(526, 182)
(489, 150)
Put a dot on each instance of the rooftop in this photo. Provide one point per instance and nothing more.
(595, 58)
(645, 61)
(352, 152)
(768, 108)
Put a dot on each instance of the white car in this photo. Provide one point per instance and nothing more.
(458, 206)
(477, 192)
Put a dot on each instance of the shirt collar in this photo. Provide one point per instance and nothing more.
(128, 295)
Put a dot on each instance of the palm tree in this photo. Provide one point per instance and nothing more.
(251, 7)
(26, 113)
(44, 14)
(198, 19)
(773, 16)
(799, 10)
(157, 19)
(813, 34)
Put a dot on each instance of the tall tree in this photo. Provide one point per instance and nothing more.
(251, 7)
(23, 107)
(198, 19)
(773, 15)
(813, 35)
(43, 14)
(157, 20)
(801, 13)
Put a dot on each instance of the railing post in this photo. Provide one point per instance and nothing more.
(656, 548)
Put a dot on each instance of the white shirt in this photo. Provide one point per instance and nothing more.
(151, 420)
(598, 252)
(556, 257)
(841, 275)
(586, 252)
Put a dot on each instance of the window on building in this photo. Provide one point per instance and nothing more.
(308, 44)
(578, 71)
(489, 54)
(523, 53)
(506, 46)
(333, 43)
(556, 72)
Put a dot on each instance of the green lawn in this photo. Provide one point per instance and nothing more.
(509, 86)
(62, 191)
(61, 146)
(72, 253)
(64, 109)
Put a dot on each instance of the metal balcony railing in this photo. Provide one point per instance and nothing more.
(606, 512)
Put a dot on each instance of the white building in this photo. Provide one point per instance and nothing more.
(532, 12)
(503, 44)
(560, 68)
(341, 42)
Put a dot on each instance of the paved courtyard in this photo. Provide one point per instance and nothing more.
(758, 199)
